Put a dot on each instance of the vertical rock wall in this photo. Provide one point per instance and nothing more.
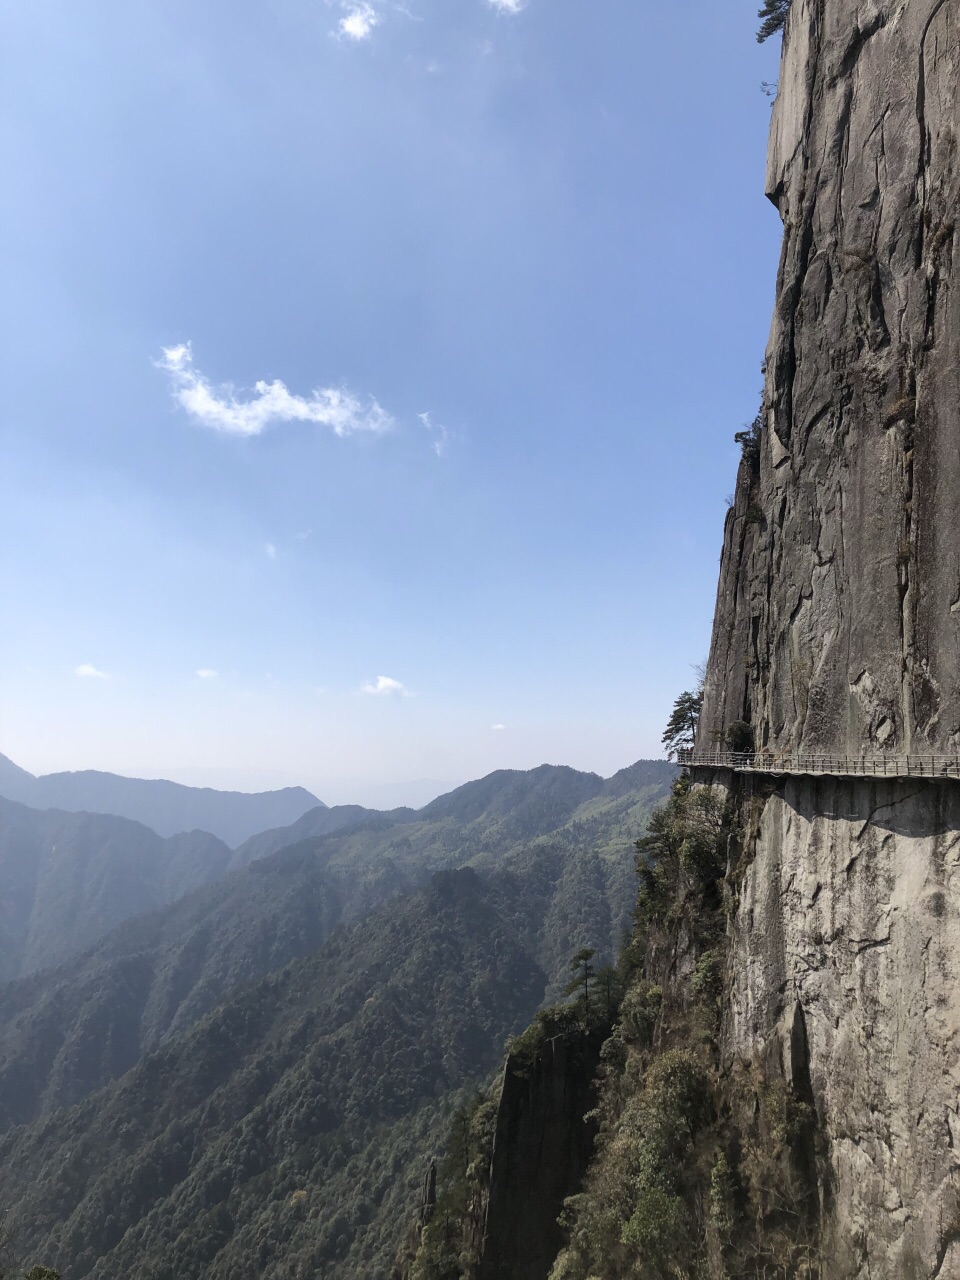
(837, 630)
(848, 923)
(541, 1150)
(838, 615)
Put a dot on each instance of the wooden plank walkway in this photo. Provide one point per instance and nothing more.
(823, 766)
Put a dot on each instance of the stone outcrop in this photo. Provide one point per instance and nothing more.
(541, 1149)
(838, 615)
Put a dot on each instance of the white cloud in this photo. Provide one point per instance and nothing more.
(508, 6)
(359, 21)
(385, 685)
(221, 410)
(270, 550)
(497, 727)
(88, 671)
(440, 434)
(206, 673)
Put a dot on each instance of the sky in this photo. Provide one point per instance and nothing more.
(370, 374)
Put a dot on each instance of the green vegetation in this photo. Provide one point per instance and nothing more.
(738, 737)
(681, 731)
(252, 1081)
(773, 17)
(750, 440)
(287, 1131)
(565, 837)
(693, 1174)
(582, 981)
(447, 1247)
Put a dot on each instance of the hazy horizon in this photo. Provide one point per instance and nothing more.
(336, 790)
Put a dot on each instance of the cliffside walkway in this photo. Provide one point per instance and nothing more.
(823, 766)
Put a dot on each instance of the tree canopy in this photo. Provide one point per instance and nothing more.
(681, 730)
(772, 17)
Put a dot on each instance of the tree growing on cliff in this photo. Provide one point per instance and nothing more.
(583, 973)
(681, 730)
(749, 441)
(772, 17)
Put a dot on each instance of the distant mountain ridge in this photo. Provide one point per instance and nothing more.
(564, 838)
(261, 1068)
(168, 808)
(66, 879)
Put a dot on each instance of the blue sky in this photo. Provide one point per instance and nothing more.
(504, 274)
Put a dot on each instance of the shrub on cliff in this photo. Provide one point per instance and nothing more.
(635, 1217)
(749, 441)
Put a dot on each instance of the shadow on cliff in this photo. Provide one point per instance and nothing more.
(918, 808)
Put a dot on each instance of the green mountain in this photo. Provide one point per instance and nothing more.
(68, 878)
(70, 1030)
(316, 822)
(165, 1082)
(284, 1134)
(165, 807)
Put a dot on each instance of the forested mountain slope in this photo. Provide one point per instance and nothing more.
(165, 807)
(70, 1030)
(68, 878)
(206, 1080)
(284, 1134)
(317, 822)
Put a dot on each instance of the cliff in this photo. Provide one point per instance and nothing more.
(837, 631)
(848, 924)
(513, 1158)
(838, 614)
(542, 1145)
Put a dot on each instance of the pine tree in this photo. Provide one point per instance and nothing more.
(681, 730)
(582, 969)
(773, 17)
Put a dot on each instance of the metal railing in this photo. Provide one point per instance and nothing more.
(830, 766)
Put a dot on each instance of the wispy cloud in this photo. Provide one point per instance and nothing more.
(497, 727)
(439, 433)
(220, 409)
(358, 22)
(270, 550)
(206, 673)
(386, 686)
(508, 6)
(87, 671)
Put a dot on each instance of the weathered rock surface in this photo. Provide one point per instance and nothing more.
(837, 630)
(849, 920)
(541, 1150)
(838, 615)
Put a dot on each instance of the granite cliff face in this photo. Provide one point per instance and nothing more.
(838, 615)
(541, 1150)
(844, 956)
(837, 631)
